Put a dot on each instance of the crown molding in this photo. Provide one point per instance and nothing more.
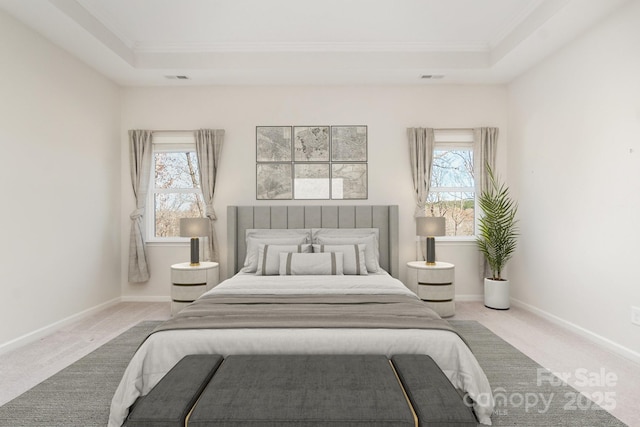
(241, 47)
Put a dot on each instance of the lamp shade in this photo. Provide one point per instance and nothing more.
(194, 227)
(430, 226)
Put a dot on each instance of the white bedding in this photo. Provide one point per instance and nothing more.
(162, 350)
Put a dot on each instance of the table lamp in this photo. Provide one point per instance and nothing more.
(194, 228)
(430, 226)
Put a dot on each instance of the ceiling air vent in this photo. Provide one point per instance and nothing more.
(431, 76)
(177, 77)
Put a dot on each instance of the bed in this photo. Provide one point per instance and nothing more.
(308, 273)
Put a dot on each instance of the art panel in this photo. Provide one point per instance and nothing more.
(311, 162)
(273, 144)
(311, 143)
(349, 143)
(273, 181)
(311, 181)
(348, 181)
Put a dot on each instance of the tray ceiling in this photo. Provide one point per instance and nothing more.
(150, 42)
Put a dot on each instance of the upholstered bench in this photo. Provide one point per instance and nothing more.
(169, 402)
(328, 390)
(433, 397)
(305, 390)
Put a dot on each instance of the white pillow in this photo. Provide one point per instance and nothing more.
(371, 253)
(353, 257)
(292, 264)
(343, 232)
(278, 232)
(269, 257)
(251, 258)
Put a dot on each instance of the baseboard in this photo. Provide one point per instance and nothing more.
(466, 298)
(49, 329)
(143, 298)
(591, 336)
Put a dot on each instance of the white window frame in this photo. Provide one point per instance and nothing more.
(166, 142)
(458, 139)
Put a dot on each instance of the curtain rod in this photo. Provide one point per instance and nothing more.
(453, 128)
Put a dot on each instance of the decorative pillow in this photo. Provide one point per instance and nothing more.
(292, 264)
(353, 257)
(253, 242)
(269, 257)
(371, 253)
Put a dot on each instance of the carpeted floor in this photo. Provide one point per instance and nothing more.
(80, 395)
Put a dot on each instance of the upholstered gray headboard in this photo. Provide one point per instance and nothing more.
(384, 218)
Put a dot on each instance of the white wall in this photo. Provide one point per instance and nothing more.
(60, 178)
(574, 162)
(387, 111)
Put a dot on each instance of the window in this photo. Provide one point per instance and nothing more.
(174, 189)
(452, 190)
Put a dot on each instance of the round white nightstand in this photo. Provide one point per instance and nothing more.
(434, 284)
(189, 282)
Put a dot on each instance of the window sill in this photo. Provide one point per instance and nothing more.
(456, 240)
(168, 242)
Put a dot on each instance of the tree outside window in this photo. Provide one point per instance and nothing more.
(175, 191)
(452, 190)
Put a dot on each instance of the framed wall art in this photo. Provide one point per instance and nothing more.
(273, 181)
(273, 144)
(311, 162)
(311, 181)
(348, 143)
(311, 143)
(349, 181)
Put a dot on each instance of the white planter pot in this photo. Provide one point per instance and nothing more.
(496, 294)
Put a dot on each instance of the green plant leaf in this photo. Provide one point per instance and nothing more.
(498, 226)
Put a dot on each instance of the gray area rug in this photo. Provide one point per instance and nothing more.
(521, 399)
(80, 395)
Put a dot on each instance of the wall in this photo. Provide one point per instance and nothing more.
(574, 162)
(60, 177)
(387, 111)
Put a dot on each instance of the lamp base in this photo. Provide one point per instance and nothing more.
(195, 252)
(431, 250)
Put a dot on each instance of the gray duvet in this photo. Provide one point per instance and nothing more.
(306, 311)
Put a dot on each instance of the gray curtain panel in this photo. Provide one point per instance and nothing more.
(485, 142)
(140, 159)
(421, 143)
(208, 147)
(485, 145)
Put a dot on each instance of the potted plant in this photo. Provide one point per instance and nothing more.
(496, 239)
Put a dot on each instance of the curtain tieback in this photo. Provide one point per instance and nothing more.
(210, 213)
(138, 213)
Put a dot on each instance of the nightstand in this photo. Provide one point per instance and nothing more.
(434, 284)
(188, 283)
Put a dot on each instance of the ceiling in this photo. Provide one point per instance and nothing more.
(150, 42)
